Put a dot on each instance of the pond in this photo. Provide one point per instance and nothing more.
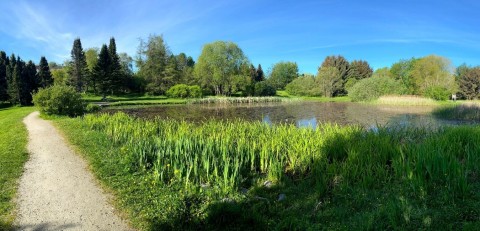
(301, 113)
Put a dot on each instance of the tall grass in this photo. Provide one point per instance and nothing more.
(235, 100)
(225, 155)
(410, 100)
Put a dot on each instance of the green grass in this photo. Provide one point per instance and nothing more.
(285, 94)
(459, 112)
(13, 154)
(171, 175)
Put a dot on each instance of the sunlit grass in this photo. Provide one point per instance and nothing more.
(408, 100)
(180, 175)
(13, 154)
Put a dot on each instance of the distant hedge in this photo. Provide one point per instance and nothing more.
(372, 88)
(184, 91)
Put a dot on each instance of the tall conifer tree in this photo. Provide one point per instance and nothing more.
(115, 67)
(102, 71)
(44, 75)
(79, 70)
(3, 76)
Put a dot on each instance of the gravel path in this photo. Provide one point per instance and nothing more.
(56, 191)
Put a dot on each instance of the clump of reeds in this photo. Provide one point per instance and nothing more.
(225, 154)
(408, 100)
(461, 112)
(237, 100)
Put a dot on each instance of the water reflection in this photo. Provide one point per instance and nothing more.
(302, 114)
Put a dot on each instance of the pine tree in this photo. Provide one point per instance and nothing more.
(13, 80)
(3, 76)
(102, 71)
(28, 82)
(79, 70)
(44, 75)
(260, 76)
(115, 67)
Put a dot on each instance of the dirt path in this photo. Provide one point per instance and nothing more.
(56, 191)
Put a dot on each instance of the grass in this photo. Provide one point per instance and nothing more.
(13, 154)
(173, 175)
(466, 112)
(407, 100)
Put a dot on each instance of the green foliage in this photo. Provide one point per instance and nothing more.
(91, 108)
(78, 70)
(264, 88)
(403, 71)
(372, 88)
(359, 69)
(59, 100)
(432, 71)
(468, 82)
(343, 66)
(205, 176)
(329, 81)
(44, 75)
(304, 86)
(184, 91)
(222, 67)
(283, 73)
(13, 154)
(4, 62)
(437, 93)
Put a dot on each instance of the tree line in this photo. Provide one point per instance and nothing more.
(223, 69)
(19, 79)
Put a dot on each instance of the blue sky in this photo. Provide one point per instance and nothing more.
(380, 32)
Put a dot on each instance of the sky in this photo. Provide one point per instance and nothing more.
(301, 31)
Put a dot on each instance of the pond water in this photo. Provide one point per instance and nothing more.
(302, 114)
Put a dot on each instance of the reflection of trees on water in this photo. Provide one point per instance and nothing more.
(299, 113)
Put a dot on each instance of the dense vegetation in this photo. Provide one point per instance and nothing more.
(13, 154)
(59, 100)
(239, 175)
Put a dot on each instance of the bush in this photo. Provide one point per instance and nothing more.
(59, 100)
(93, 108)
(372, 88)
(437, 93)
(303, 86)
(184, 91)
(264, 88)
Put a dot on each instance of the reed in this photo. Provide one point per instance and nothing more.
(408, 100)
(237, 100)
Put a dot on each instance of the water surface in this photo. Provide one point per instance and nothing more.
(300, 113)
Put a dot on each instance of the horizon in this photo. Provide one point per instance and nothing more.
(268, 32)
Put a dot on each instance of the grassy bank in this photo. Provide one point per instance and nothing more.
(13, 154)
(251, 176)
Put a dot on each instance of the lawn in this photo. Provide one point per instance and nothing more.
(13, 154)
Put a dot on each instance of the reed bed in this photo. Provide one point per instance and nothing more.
(237, 100)
(225, 155)
(466, 112)
(408, 100)
(177, 175)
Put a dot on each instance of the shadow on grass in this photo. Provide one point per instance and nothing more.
(463, 113)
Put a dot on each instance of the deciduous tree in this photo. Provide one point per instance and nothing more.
(283, 73)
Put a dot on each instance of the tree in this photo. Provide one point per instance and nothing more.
(79, 69)
(102, 71)
(342, 65)
(60, 76)
(28, 82)
(432, 72)
(91, 57)
(185, 67)
(221, 67)
(329, 80)
(305, 85)
(44, 75)
(283, 73)
(469, 82)
(152, 58)
(116, 78)
(260, 76)
(3, 76)
(402, 71)
(13, 79)
(359, 69)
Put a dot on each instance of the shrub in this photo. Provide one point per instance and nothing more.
(437, 93)
(195, 91)
(93, 108)
(303, 86)
(184, 91)
(59, 100)
(264, 88)
(372, 88)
